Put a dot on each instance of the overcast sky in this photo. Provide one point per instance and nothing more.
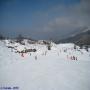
(43, 19)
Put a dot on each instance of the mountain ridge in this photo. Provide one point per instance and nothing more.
(80, 38)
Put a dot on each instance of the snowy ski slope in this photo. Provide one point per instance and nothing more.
(44, 69)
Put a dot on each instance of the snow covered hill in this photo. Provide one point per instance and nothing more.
(61, 68)
(82, 37)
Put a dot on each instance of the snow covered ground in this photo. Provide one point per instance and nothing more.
(44, 69)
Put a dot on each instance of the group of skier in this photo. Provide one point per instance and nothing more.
(64, 50)
(23, 55)
(71, 57)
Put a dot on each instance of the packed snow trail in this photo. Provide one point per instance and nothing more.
(48, 72)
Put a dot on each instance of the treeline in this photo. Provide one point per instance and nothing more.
(19, 37)
(2, 37)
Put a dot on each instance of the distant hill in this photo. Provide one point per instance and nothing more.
(81, 38)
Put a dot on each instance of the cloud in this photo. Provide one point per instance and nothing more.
(65, 23)
(68, 18)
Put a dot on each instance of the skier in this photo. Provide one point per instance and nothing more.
(22, 55)
(58, 53)
(73, 57)
(45, 53)
(35, 57)
(67, 57)
(76, 58)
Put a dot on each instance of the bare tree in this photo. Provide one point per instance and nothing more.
(19, 38)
